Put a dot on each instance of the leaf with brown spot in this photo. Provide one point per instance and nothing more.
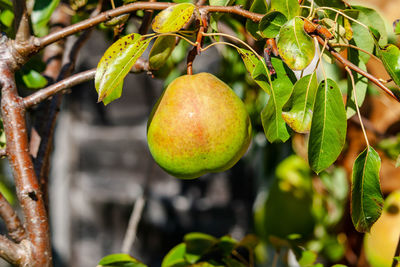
(173, 18)
(116, 64)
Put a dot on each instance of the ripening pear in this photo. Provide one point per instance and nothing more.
(380, 244)
(199, 125)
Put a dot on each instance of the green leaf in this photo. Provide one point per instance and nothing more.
(254, 66)
(117, 62)
(7, 17)
(175, 255)
(278, 86)
(33, 79)
(361, 84)
(275, 128)
(271, 24)
(173, 18)
(123, 260)
(161, 50)
(390, 56)
(361, 35)
(198, 244)
(117, 20)
(42, 10)
(366, 197)
(328, 127)
(289, 8)
(258, 6)
(302, 104)
(307, 258)
(295, 47)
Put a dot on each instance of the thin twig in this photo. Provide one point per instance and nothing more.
(102, 17)
(396, 254)
(148, 14)
(51, 90)
(14, 226)
(133, 224)
(356, 104)
(349, 64)
(357, 48)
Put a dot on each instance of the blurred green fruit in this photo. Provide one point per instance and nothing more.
(198, 126)
(380, 245)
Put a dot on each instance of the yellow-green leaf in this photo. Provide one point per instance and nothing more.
(161, 50)
(173, 18)
(295, 47)
(299, 116)
(116, 64)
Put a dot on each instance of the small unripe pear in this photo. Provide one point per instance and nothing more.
(199, 125)
(380, 245)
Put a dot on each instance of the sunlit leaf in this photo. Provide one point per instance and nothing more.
(7, 17)
(117, 62)
(271, 24)
(173, 18)
(161, 50)
(289, 8)
(120, 260)
(328, 127)
(302, 103)
(175, 255)
(33, 79)
(42, 11)
(366, 197)
(261, 7)
(295, 47)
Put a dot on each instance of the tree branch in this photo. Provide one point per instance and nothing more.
(347, 63)
(15, 229)
(13, 253)
(49, 91)
(107, 15)
(28, 189)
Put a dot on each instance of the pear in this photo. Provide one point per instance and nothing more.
(380, 244)
(198, 125)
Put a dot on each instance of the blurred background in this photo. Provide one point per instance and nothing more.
(101, 165)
